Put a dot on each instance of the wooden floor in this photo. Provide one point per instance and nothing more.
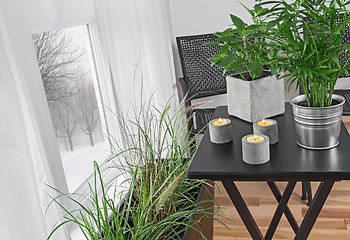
(333, 222)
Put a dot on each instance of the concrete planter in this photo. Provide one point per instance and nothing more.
(255, 100)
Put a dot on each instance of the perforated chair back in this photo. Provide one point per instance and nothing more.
(201, 78)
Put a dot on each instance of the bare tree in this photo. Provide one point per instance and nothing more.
(87, 109)
(59, 60)
(67, 119)
(55, 111)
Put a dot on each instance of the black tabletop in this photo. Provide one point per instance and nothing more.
(287, 160)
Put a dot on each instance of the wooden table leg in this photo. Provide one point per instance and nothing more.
(314, 210)
(242, 209)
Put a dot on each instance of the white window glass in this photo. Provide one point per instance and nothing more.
(67, 69)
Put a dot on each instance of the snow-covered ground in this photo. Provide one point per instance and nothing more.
(78, 164)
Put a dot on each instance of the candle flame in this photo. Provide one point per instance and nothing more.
(255, 136)
(263, 120)
(220, 120)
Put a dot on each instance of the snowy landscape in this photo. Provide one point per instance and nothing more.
(68, 75)
(78, 164)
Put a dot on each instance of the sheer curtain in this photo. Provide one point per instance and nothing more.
(137, 38)
(23, 199)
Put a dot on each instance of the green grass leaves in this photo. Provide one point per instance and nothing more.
(159, 199)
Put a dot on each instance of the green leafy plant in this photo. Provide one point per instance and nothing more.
(160, 199)
(305, 41)
(243, 48)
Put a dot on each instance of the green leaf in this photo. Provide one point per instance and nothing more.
(253, 27)
(236, 46)
(256, 68)
(237, 22)
(227, 60)
(236, 67)
(335, 58)
(240, 60)
(214, 59)
(224, 49)
(257, 8)
(310, 55)
(272, 23)
(274, 70)
(251, 12)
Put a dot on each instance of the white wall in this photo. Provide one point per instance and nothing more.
(206, 16)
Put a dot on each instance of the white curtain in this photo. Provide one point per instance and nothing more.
(23, 195)
(137, 36)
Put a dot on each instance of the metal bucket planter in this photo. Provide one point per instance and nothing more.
(318, 127)
(257, 99)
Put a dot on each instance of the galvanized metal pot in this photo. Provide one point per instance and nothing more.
(318, 127)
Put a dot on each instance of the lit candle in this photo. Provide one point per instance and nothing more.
(220, 130)
(265, 122)
(219, 121)
(267, 127)
(255, 138)
(255, 149)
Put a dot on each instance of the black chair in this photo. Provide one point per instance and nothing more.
(200, 79)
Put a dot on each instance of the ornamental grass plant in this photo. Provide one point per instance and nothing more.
(159, 200)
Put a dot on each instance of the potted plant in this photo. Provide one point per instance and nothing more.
(253, 92)
(159, 201)
(305, 40)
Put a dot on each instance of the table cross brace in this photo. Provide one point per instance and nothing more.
(314, 210)
(289, 215)
(242, 210)
(301, 232)
(281, 208)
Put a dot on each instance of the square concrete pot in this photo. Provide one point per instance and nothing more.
(255, 100)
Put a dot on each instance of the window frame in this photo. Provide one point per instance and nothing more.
(39, 123)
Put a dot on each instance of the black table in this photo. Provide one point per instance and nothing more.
(288, 162)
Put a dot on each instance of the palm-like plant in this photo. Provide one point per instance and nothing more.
(305, 40)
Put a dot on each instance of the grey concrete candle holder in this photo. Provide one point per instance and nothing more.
(270, 130)
(256, 152)
(220, 134)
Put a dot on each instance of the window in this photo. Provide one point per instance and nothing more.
(68, 73)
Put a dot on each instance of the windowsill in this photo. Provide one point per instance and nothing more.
(76, 234)
(121, 183)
